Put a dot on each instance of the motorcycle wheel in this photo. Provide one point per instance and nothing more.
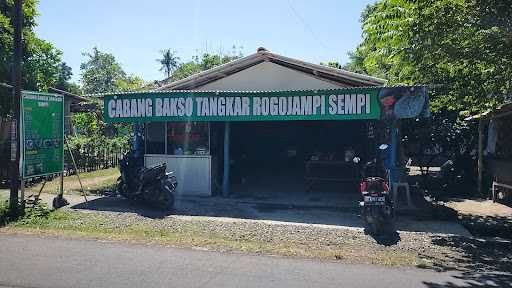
(165, 200)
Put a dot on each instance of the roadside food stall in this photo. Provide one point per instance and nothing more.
(203, 135)
(265, 122)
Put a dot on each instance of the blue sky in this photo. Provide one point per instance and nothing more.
(135, 31)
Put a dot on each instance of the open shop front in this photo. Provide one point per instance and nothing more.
(268, 145)
(298, 161)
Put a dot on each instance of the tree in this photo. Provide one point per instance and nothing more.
(461, 47)
(169, 61)
(202, 63)
(100, 72)
(41, 60)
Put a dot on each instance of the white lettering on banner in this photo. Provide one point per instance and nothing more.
(199, 104)
(126, 108)
(229, 106)
(158, 107)
(181, 106)
(112, 108)
(350, 104)
(189, 107)
(141, 108)
(316, 103)
(306, 105)
(274, 108)
(342, 104)
(149, 107)
(265, 106)
(256, 106)
(282, 106)
(367, 103)
(238, 106)
(245, 106)
(205, 107)
(332, 104)
(119, 108)
(213, 106)
(296, 105)
(133, 108)
(166, 110)
(222, 103)
(173, 103)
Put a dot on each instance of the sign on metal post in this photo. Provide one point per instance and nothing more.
(42, 133)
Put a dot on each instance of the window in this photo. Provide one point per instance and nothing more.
(188, 138)
(155, 138)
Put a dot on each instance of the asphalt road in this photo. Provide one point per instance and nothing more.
(29, 262)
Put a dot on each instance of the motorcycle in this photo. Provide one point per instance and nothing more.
(152, 185)
(377, 205)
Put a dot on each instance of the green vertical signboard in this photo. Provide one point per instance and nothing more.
(42, 131)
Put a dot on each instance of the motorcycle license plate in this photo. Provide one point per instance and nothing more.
(375, 200)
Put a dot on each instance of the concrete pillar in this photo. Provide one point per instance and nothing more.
(225, 178)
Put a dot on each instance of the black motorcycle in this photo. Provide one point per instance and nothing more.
(377, 205)
(152, 185)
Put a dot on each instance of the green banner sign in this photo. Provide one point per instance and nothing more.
(336, 104)
(42, 133)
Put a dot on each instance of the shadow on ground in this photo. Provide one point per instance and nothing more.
(484, 263)
(347, 216)
(119, 204)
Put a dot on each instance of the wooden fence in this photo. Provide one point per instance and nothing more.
(88, 158)
(91, 157)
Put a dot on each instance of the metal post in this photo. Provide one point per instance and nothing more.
(225, 179)
(481, 127)
(17, 81)
(393, 160)
(61, 192)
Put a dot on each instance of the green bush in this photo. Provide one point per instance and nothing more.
(4, 212)
(35, 214)
(96, 151)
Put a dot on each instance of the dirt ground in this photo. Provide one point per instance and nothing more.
(483, 218)
(482, 207)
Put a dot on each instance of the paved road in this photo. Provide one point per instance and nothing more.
(27, 261)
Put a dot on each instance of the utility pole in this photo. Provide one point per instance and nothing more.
(17, 81)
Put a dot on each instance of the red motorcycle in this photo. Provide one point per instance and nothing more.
(377, 204)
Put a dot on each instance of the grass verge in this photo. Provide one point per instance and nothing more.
(208, 235)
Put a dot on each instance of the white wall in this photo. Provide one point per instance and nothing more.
(268, 76)
(192, 172)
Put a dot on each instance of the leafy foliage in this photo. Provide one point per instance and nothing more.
(42, 62)
(93, 152)
(35, 213)
(101, 73)
(4, 212)
(201, 63)
(461, 47)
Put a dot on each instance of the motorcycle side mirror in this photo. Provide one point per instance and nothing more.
(356, 160)
(383, 146)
